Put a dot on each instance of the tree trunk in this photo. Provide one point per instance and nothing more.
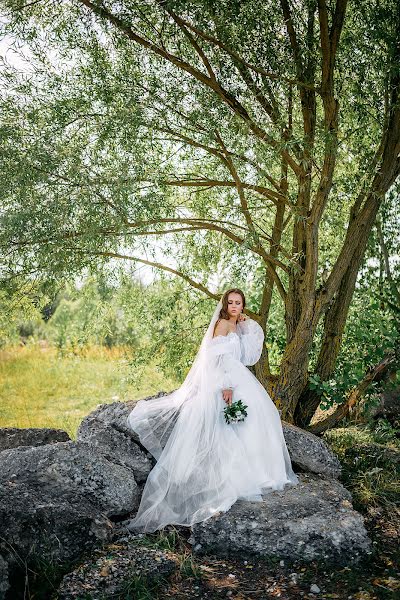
(334, 324)
(293, 372)
(376, 373)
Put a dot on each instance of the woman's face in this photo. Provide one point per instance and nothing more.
(235, 304)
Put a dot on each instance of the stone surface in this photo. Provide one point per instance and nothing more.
(66, 466)
(39, 530)
(55, 497)
(4, 584)
(311, 521)
(107, 430)
(13, 437)
(309, 452)
(111, 572)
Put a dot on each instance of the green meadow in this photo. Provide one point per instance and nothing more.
(39, 387)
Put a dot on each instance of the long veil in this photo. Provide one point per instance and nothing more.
(152, 420)
(203, 465)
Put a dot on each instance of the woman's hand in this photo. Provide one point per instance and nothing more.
(242, 317)
(227, 396)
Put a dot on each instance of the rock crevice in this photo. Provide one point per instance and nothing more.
(59, 498)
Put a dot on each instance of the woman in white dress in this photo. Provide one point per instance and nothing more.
(205, 464)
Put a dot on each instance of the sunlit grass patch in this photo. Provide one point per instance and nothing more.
(370, 457)
(341, 438)
(41, 388)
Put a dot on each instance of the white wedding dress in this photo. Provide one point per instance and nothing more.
(204, 464)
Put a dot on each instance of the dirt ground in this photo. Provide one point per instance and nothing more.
(375, 578)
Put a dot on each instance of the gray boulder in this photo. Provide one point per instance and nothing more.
(309, 452)
(13, 437)
(311, 521)
(76, 466)
(39, 531)
(4, 585)
(106, 429)
(112, 570)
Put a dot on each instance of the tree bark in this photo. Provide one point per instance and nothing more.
(376, 373)
(334, 324)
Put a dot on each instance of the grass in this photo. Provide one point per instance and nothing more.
(171, 540)
(370, 457)
(41, 388)
(142, 588)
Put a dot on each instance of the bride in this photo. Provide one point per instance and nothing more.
(204, 464)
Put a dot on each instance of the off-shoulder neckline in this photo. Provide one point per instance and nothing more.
(227, 335)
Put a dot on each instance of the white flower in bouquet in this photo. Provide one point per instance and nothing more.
(235, 412)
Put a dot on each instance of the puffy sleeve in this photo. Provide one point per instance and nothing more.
(225, 368)
(221, 363)
(251, 341)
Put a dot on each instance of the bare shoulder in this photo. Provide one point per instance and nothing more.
(222, 328)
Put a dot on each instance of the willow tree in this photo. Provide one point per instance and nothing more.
(182, 135)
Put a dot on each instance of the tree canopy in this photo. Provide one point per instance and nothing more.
(219, 142)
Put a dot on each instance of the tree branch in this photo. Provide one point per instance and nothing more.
(191, 39)
(238, 184)
(374, 373)
(209, 183)
(157, 265)
(207, 224)
(385, 254)
(228, 98)
(236, 56)
(293, 38)
(195, 284)
(217, 153)
(361, 221)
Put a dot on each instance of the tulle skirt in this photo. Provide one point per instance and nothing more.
(204, 464)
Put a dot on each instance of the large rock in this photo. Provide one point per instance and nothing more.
(4, 584)
(310, 452)
(55, 498)
(111, 571)
(77, 466)
(107, 430)
(38, 530)
(54, 503)
(13, 437)
(311, 521)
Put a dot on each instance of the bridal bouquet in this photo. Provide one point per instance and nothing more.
(235, 412)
